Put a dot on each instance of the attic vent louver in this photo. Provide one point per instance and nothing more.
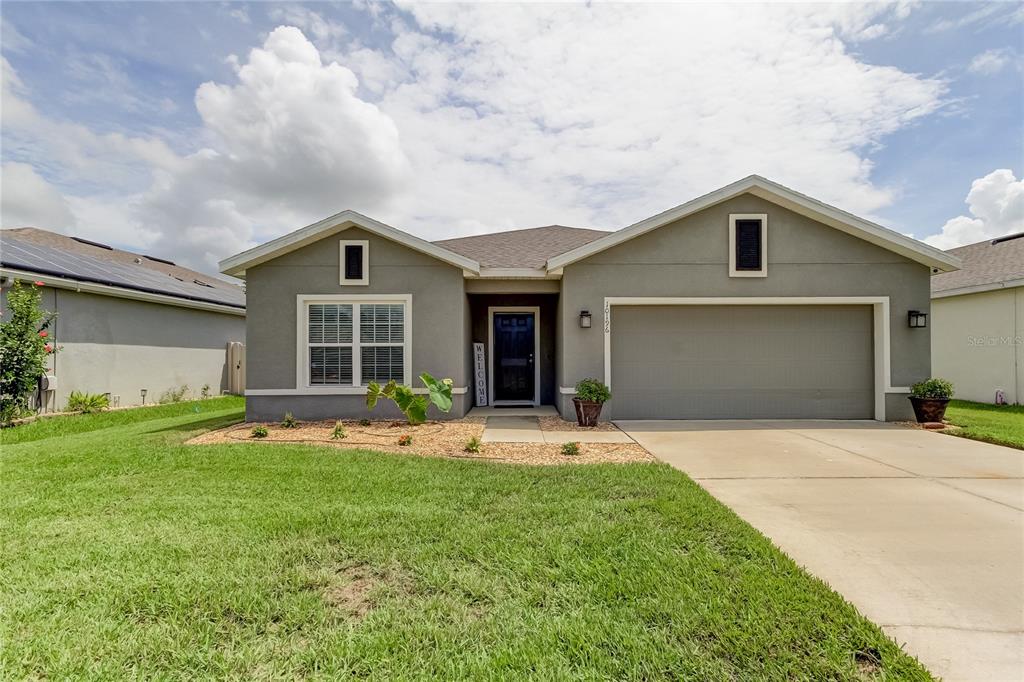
(160, 260)
(1007, 238)
(92, 243)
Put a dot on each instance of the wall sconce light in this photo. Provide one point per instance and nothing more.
(916, 319)
(585, 320)
(143, 392)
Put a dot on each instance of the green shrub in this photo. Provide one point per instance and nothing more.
(289, 421)
(174, 395)
(413, 406)
(259, 431)
(571, 449)
(473, 445)
(593, 391)
(87, 403)
(24, 347)
(204, 392)
(339, 431)
(405, 440)
(932, 388)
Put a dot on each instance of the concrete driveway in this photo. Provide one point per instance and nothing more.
(923, 532)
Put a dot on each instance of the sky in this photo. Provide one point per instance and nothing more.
(193, 131)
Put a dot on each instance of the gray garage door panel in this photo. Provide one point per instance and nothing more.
(742, 362)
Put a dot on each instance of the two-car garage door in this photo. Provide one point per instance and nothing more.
(742, 362)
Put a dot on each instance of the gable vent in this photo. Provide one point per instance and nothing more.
(748, 244)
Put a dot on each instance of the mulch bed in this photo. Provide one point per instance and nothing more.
(559, 424)
(432, 439)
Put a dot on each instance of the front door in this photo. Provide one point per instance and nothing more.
(513, 356)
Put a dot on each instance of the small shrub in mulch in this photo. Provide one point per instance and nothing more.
(259, 431)
(571, 449)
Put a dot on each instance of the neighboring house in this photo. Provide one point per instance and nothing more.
(752, 301)
(978, 321)
(125, 322)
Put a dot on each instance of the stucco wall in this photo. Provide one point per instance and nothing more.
(978, 343)
(439, 319)
(691, 258)
(120, 346)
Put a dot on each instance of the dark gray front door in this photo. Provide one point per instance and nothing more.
(514, 344)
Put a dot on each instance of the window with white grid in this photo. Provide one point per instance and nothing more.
(354, 343)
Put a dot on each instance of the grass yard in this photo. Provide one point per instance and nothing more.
(128, 554)
(1000, 424)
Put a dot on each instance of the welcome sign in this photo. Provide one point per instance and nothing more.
(479, 374)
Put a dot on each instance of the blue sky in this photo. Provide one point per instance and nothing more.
(198, 129)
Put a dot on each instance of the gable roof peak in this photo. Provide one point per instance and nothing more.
(236, 265)
(782, 196)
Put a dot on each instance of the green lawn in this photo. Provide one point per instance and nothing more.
(128, 554)
(1001, 424)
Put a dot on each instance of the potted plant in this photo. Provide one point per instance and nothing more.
(591, 394)
(930, 398)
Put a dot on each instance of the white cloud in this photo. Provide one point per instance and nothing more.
(494, 116)
(990, 61)
(311, 22)
(987, 15)
(539, 113)
(293, 143)
(11, 38)
(28, 200)
(996, 203)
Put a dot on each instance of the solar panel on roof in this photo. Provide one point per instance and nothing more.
(53, 261)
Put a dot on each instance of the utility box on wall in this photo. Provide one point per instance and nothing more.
(236, 367)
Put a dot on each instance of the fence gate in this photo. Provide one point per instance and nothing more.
(236, 367)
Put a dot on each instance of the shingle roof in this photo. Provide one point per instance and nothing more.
(57, 255)
(529, 248)
(987, 263)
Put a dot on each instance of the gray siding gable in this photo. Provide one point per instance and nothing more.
(690, 258)
(438, 305)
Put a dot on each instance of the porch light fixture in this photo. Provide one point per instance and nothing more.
(585, 320)
(916, 319)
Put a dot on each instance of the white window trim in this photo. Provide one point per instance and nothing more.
(881, 326)
(535, 310)
(302, 302)
(365, 281)
(733, 217)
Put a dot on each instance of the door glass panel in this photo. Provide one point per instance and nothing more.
(514, 346)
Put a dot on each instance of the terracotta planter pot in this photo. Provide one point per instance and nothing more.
(586, 412)
(929, 409)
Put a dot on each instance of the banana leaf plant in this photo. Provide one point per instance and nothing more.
(413, 406)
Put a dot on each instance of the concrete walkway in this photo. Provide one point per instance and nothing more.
(527, 430)
(923, 532)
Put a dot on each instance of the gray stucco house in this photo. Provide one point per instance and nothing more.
(126, 322)
(978, 321)
(753, 301)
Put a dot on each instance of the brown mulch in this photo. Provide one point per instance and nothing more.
(559, 424)
(432, 439)
(929, 426)
(551, 453)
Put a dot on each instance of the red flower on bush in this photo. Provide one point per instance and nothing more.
(43, 334)
(49, 347)
(38, 284)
